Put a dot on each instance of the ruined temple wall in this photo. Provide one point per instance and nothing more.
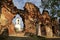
(32, 17)
(8, 16)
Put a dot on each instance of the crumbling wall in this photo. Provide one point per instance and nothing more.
(32, 18)
(47, 23)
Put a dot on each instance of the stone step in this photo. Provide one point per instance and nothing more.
(18, 35)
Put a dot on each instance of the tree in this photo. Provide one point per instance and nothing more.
(53, 6)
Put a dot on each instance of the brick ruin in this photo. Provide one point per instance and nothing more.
(35, 23)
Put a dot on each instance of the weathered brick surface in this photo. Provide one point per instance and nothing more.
(8, 15)
(31, 17)
(11, 29)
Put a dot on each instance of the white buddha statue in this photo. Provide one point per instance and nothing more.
(18, 26)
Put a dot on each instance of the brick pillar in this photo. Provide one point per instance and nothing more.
(11, 29)
(39, 30)
(49, 32)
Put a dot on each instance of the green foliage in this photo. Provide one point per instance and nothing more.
(53, 12)
(53, 5)
(58, 13)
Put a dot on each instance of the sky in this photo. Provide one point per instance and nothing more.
(20, 4)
